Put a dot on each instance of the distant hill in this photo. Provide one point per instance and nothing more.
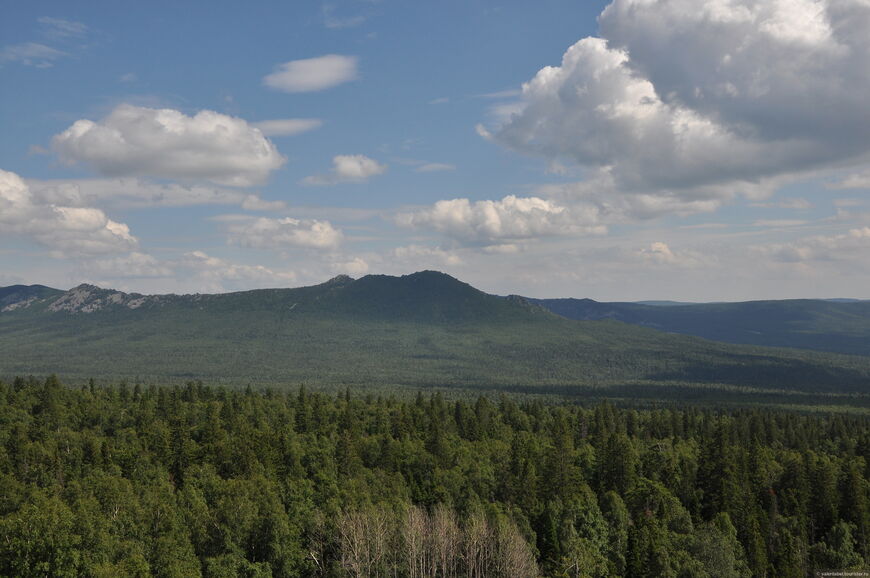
(835, 325)
(16, 296)
(421, 330)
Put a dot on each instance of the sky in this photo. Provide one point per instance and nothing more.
(694, 150)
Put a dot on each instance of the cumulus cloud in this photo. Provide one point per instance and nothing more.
(495, 222)
(288, 126)
(677, 96)
(134, 192)
(165, 143)
(313, 74)
(348, 169)
(266, 233)
(67, 231)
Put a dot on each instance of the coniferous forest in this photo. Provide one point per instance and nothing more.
(125, 480)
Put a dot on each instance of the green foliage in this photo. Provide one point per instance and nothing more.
(208, 481)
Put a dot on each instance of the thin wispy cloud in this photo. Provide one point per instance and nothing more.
(61, 29)
(31, 54)
(287, 126)
(332, 20)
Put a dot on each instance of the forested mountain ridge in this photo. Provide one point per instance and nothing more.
(841, 326)
(424, 296)
(425, 329)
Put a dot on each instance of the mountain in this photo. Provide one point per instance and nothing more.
(421, 330)
(840, 326)
(22, 296)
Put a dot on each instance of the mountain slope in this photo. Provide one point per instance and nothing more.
(425, 329)
(22, 296)
(835, 326)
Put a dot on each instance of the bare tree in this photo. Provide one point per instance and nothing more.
(415, 535)
(446, 541)
(477, 541)
(515, 558)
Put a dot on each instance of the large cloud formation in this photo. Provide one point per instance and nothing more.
(682, 95)
(67, 231)
(165, 143)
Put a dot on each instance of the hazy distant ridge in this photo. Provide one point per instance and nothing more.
(841, 326)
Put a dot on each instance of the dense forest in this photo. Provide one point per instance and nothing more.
(131, 480)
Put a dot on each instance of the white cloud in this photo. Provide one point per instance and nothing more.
(165, 143)
(852, 245)
(313, 74)
(61, 29)
(287, 126)
(255, 203)
(435, 167)
(131, 266)
(511, 218)
(660, 253)
(355, 267)
(796, 203)
(67, 231)
(842, 203)
(330, 20)
(128, 77)
(778, 223)
(855, 181)
(67, 33)
(418, 254)
(678, 96)
(348, 169)
(31, 54)
(133, 192)
(215, 274)
(507, 93)
(266, 233)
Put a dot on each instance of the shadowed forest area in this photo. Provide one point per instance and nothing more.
(197, 480)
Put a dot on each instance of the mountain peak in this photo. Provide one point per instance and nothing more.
(87, 298)
(339, 280)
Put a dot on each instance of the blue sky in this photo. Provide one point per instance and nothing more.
(703, 150)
